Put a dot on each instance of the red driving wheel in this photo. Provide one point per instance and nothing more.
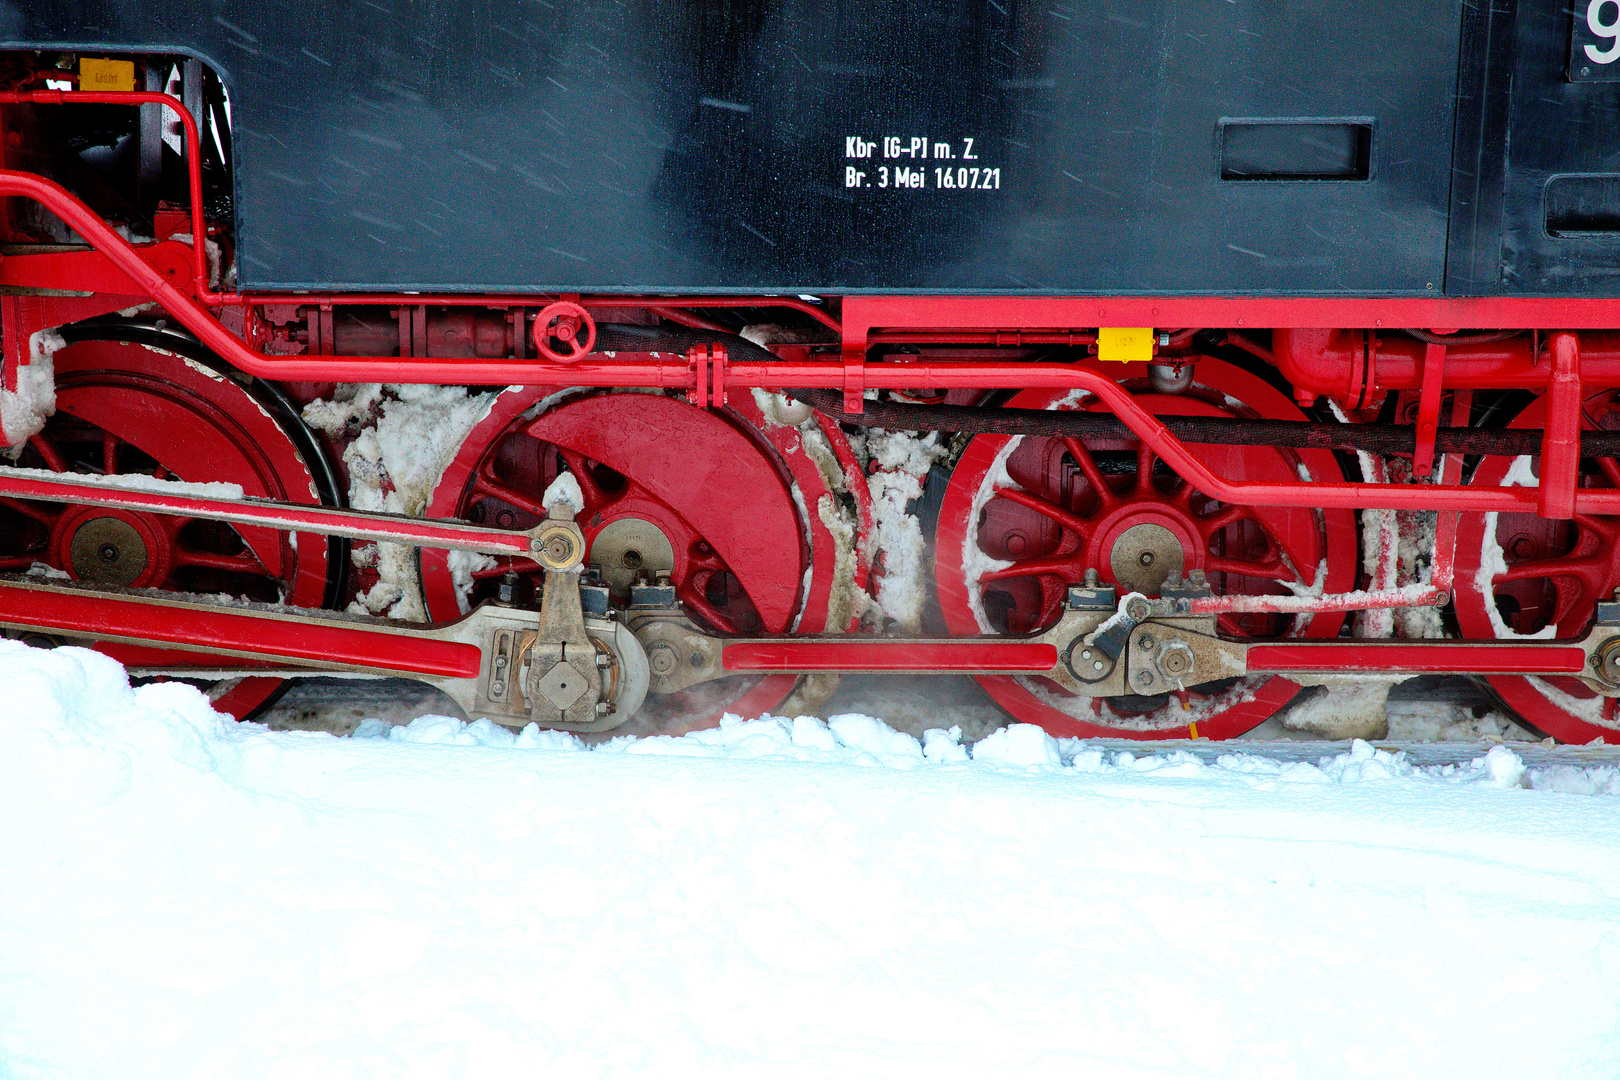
(1024, 517)
(1519, 575)
(124, 408)
(732, 506)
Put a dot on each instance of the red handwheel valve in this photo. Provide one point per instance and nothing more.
(567, 324)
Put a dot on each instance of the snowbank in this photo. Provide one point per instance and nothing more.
(184, 896)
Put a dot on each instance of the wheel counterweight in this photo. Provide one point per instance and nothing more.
(735, 510)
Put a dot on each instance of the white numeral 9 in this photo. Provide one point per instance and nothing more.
(1610, 30)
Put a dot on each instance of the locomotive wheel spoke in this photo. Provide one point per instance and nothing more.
(1273, 570)
(594, 496)
(1557, 569)
(1227, 516)
(490, 487)
(47, 450)
(1046, 508)
(39, 513)
(1068, 568)
(695, 597)
(1145, 457)
(1572, 596)
(242, 563)
(1088, 465)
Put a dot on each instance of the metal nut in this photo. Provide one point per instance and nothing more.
(1607, 661)
(1147, 643)
(661, 658)
(1138, 608)
(557, 547)
(1176, 659)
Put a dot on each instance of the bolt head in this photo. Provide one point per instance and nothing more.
(1176, 660)
(1145, 678)
(661, 659)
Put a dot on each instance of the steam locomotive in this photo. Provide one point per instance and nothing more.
(613, 366)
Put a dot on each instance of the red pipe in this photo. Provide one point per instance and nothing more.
(673, 373)
(1358, 366)
(1561, 443)
(199, 248)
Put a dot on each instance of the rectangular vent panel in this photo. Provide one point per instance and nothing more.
(1295, 149)
(1583, 205)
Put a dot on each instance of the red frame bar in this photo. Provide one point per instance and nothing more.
(864, 314)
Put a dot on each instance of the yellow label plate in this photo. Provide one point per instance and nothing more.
(1125, 344)
(103, 75)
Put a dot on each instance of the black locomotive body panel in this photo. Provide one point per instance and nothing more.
(1152, 147)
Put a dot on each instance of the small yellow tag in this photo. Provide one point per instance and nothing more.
(1125, 344)
(103, 75)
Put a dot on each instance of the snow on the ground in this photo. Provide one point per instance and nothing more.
(182, 896)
